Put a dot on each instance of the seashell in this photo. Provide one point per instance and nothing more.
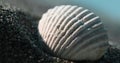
(73, 33)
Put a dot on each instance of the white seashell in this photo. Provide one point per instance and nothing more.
(73, 33)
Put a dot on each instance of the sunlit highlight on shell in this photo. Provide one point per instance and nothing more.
(73, 33)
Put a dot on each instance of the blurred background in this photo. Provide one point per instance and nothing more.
(108, 10)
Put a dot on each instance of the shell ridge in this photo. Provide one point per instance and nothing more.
(93, 46)
(50, 20)
(72, 20)
(47, 18)
(52, 25)
(75, 16)
(70, 31)
(84, 42)
(88, 17)
(72, 44)
(41, 22)
(66, 35)
(46, 24)
(87, 31)
(56, 24)
(59, 23)
(81, 28)
(49, 23)
(82, 13)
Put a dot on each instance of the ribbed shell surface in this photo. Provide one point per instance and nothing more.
(73, 33)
